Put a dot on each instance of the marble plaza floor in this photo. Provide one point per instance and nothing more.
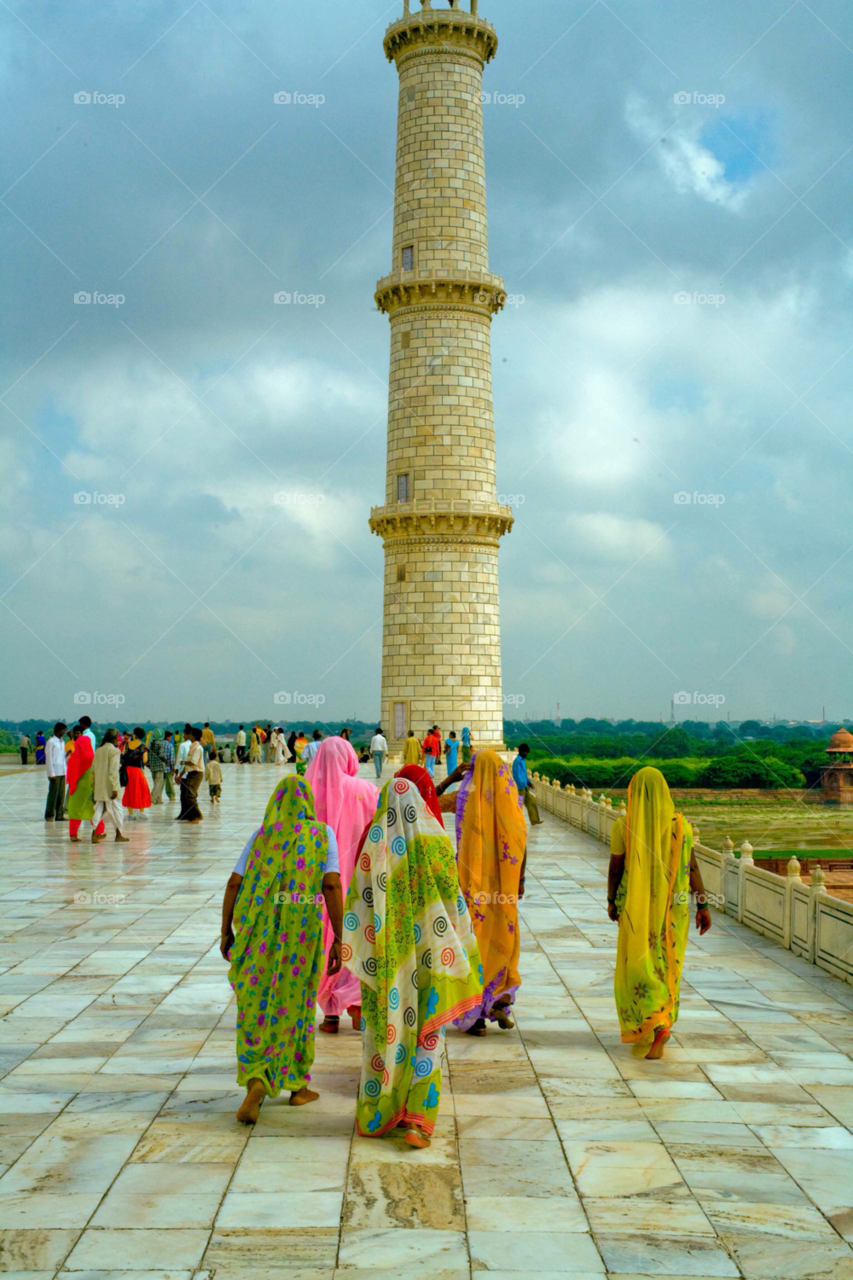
(557, 1153)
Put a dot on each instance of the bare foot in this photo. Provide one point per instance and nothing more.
(656, 1051)
(478, 1029)
(415, 1138)
(251, 1106)
(330, 1025)
(303, 1095)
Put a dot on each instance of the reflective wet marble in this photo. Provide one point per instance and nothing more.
(557, 1152)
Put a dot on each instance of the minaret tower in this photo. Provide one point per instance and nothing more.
(441, 522)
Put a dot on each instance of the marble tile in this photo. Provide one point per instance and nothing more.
(264, 1250)
(769, 1258)
(563, 1253)
(650, 1255)
(525, 1213)
(294, 1209)
(404, 1194)
(415, 1252)
(613, 1215)
(33, 1250)
(135, 1250)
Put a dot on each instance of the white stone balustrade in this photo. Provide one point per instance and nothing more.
(801, 917)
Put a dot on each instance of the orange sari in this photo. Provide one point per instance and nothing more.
(490, 854)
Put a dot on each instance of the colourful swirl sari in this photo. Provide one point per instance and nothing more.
(408, 937)
(491, 838)
(278, 942)
(654, 907)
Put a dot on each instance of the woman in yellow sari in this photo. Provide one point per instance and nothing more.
(652, 871)
(491, 851)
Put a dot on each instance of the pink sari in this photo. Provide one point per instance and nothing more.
(347, 803)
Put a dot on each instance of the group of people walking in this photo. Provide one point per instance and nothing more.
(354, 898)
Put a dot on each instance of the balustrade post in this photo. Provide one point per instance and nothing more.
(818, 889)
(743, 864)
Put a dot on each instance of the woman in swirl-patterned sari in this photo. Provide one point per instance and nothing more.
(408, 937)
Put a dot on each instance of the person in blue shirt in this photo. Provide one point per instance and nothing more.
(451, 752)
(522, 781)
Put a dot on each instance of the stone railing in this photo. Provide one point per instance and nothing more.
(803, 918)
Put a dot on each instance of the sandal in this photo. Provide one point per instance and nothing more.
(414, 1138)
(502, 1017)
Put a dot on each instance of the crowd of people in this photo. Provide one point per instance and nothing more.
(87, 781)
(354, 898)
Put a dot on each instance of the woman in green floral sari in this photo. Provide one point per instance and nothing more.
(408, 937)
(652, 871)
(272, 932)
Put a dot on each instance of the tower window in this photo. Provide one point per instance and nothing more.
(403, 487)
(406, 339)
(401, 573)
(409, 257)
(410, 95)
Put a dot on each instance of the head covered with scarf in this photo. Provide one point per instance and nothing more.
(278, 946)
(408, 937)
(425, 785)
(653, 906)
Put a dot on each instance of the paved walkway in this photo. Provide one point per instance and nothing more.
(557, 1152)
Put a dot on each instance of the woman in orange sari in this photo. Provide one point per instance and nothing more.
(491, 852)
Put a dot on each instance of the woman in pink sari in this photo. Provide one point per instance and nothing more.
(347, 803)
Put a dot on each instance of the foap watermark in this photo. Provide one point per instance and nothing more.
(299, 899)
(296, 99)
(297, 299)
(511, 499)
(717, 900)
(700, 299)
(84, 299)
(502, 99)
(514, 699)
(95, 99)
(497, 298)
(97, 899)
(85, 499)
(293, 498)
(696, 99)
(683, 699)
(685, 499)
(284, 699)
(84, 699)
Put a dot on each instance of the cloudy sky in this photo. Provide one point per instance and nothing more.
(197, 399)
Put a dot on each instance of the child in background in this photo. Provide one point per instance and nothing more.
(214, 778)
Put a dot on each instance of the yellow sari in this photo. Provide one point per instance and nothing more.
(654, 907)
(490, 847)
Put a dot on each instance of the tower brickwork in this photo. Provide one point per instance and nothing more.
(441, 522)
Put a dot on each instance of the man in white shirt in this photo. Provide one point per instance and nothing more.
(378, 749)
(55, 761)
(309, 752)
(106, 787)
(240, 744)
(86, 726)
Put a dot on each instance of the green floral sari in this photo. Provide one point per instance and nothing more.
(408, 937)
(278, 945)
